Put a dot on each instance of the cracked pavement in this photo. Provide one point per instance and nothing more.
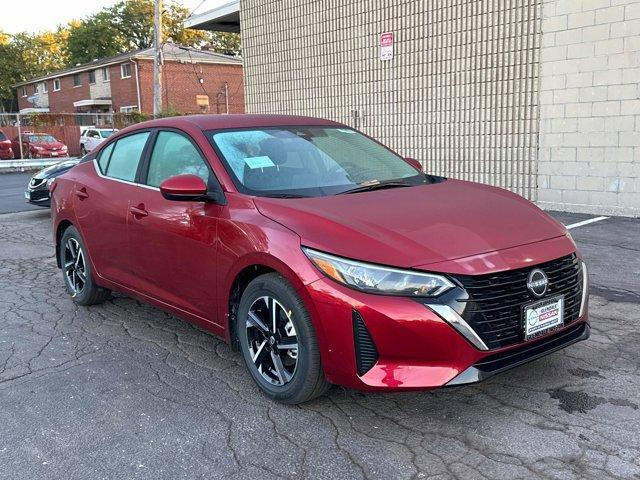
(123, 390)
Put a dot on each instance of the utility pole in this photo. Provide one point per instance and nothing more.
(226, 95)
(158, 60)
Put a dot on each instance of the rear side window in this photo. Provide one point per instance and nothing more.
(174, 154)
(123, 158)
(2, 137)
(104, 157)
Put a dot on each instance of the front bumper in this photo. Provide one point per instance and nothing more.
(415, 349)
(501, 361)
(38, 196)
(46, 154)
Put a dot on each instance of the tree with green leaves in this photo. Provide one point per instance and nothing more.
(93, 38)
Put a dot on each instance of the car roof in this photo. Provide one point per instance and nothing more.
(225, 121)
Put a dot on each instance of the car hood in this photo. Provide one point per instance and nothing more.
(56, 170)
(408, 227)
(48, 145)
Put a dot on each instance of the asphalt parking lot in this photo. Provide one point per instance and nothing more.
(123, 390)
(12, 187)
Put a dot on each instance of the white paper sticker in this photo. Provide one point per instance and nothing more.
(259, 162)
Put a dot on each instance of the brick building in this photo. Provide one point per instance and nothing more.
(194, 81)
(538, 96)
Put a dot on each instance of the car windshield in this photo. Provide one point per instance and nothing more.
(106, 133)
(309, 161)
(41, 139)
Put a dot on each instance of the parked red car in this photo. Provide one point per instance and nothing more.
(39, 145)
(320, 254)
(6, 152)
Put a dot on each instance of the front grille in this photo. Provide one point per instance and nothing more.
(366, 351)
(494, 307)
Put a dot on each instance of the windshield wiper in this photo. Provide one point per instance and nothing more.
(377, 186)
(284, 195)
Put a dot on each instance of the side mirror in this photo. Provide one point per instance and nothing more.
(414, 163)
(184, 188)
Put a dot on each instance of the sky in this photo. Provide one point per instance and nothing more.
(37, 15)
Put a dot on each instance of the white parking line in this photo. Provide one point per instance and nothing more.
(586, 222)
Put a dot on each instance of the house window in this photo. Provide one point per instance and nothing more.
(129, 109)
(106, 74)
(92, 76)
(45, 87)
(125, 70)
(24, 91)
(56, 84)
(77, 80)
(36, 88)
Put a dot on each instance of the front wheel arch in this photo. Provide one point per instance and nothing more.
(246, 269)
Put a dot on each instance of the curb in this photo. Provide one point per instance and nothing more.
(12, 166)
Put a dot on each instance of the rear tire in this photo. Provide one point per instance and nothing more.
(283, 360)
(76, 270)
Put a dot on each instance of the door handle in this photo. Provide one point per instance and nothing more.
(81, 193)
(139, 211)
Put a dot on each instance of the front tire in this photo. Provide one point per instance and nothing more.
(278, 341)
(76, 270)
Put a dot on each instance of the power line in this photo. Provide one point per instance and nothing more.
(199, 5)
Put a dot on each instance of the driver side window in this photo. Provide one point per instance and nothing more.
(174, 154)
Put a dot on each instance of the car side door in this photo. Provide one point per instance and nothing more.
(173, 243)
(101, 201)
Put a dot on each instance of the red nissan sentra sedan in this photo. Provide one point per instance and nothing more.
(320, 254)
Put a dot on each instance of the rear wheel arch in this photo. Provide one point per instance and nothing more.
(62, 226)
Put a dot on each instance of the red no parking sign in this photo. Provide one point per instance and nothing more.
(386, 45)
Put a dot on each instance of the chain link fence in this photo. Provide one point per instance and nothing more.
(21, 133)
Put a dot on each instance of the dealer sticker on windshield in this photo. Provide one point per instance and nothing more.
(259, 162)
(542, 317)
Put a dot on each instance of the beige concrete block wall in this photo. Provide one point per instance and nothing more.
(460, 95)
(101, 88)
(589, 159)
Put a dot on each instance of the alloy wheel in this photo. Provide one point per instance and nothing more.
(272, 340)
(75, 268)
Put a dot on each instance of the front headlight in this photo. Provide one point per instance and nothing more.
(378, 279)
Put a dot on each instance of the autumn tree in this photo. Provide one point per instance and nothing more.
(24, 56)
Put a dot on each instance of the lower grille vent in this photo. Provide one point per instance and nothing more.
(366, 352)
